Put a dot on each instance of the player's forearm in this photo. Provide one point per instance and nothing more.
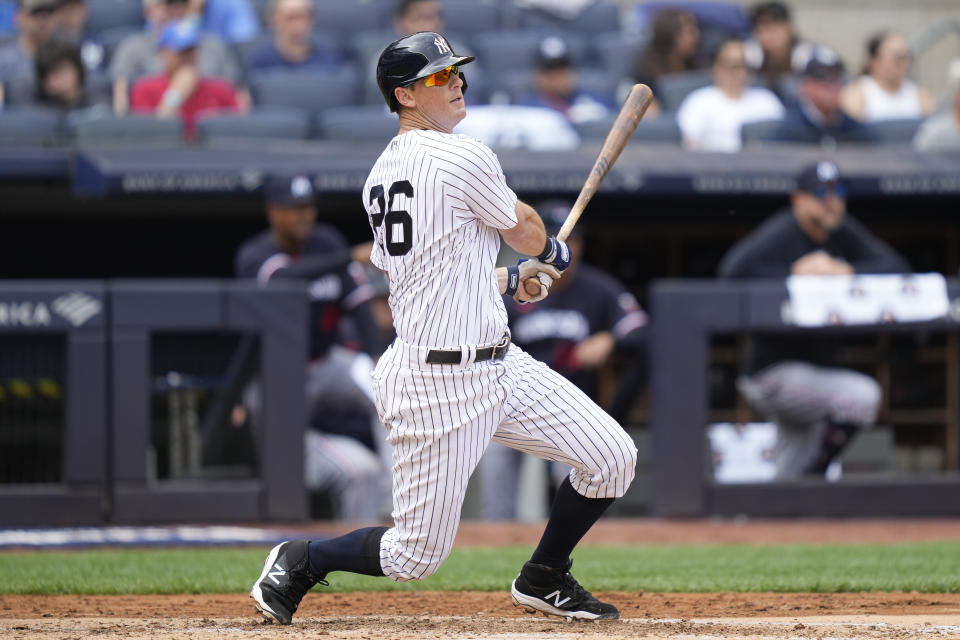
(528, 236)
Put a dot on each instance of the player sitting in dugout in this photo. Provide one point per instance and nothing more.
(794, 380)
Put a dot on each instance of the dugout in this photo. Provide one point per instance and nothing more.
(662, 213)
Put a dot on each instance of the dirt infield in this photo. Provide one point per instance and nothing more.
(436, 615)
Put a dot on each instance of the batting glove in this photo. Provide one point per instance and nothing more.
(555, 252)
(544, 273)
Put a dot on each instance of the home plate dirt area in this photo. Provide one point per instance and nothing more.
(434, 615)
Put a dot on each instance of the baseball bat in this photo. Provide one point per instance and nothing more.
(623, 127)
(636, 104)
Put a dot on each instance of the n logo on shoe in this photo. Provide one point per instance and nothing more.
(557, 602)
(279, 572)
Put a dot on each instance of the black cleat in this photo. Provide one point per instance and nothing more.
(555, 592)
(286, 578)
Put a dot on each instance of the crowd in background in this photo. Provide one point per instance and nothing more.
(724, 75)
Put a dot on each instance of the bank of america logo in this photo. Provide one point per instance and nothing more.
(76, 307)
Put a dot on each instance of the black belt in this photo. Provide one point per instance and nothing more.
(454, 356)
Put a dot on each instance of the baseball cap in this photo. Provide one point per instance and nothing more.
(290, 190)
(819, 177)
(553, 53)
(823, 64)
(39, 6)
(180, 35)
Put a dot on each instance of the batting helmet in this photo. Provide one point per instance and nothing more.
(413, 57)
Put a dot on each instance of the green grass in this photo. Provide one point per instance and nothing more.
(925, 567)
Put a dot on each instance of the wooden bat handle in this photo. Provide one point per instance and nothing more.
(622, 129)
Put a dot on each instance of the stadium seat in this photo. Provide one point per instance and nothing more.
(106, 14)
(517, 84)
(601, 17)
(306, 89)
(351, 16)
(29, 127)
(760, 132)
(363, 123)
(897, 132)
(503, 51)
(281, 123)
(19, 92)
(618, 52)
(472, 16)
(662, 129)
(112, 37)
(107, 129)
(672, 88)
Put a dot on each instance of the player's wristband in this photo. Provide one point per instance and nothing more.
(513, 280)
(555, 252)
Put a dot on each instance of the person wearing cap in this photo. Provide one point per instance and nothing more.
(556, 85)
(942, 131)
(344, 442)
(796, 381)
(138, 54)
(884, 90)
(35, 21)
(817, 117)
(710, 118)
(576, 329)
(293, 45)
(181, 91)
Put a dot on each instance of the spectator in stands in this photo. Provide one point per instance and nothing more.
(137, 55)
(818, 117)
(775, 52)
(556, 85)
(35, 21)
(232, 20)
(344, 441)
(61, 77)
(72, 27)
(818, 406)
(292, 45)
(674, 43)
(942, 131)
(413, 16)
(182, 90)
(883, 91)
(575, 330)
(710, 118)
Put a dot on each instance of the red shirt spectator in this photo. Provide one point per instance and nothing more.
(180, 91)
(210, 94)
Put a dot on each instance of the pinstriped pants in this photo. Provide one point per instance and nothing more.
(440, 419)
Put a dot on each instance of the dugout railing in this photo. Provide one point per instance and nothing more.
(686, 315)
(149, 376)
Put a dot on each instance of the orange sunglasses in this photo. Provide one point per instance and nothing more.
(442, 77)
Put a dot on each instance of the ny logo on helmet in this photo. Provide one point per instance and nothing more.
(441, 45)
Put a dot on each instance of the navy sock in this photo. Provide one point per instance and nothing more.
(571, 517)
(356, 552)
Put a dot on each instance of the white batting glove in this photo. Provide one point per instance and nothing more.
(544, 273)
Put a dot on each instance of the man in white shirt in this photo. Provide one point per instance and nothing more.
(710, 118)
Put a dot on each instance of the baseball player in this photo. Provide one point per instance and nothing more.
(575, 331)
(818, 406)
(451, 382)
(342, 449)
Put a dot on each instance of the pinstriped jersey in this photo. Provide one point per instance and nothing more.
(434, 202)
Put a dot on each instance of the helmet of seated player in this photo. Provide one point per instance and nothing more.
(412, 58)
